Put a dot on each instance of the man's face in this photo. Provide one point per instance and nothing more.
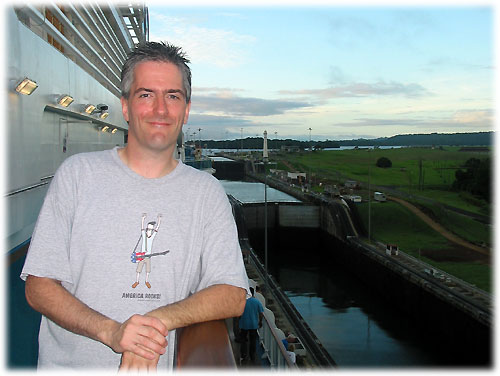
(149, 230)
(156, 108)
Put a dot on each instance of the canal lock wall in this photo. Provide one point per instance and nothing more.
(447, 319)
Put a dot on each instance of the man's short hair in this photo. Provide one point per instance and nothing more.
(251, 290)
(156, 51)
(151, 223)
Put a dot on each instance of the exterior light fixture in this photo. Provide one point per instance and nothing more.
(114, 130)
(89, 108)
(65, 100)
(104, 115)
(26, 86)
(105, 128)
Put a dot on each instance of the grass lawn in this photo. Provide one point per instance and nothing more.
(411, 167)
(437, 173)
(476, 274)
(465, 227)
(461, 200)
(392, 223)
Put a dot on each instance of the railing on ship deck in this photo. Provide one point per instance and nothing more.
(207, 345)
(273, 346)
(204, 345)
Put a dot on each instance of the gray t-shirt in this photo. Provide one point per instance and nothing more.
(88, 228)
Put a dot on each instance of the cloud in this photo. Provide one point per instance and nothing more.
(398, 27)
(225, 102)
(361, 89)
(200, 120)
(471, 120)
(222, 48)
(440, 63)
(218, 127)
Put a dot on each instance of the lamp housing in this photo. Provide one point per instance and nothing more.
(65, 100)
(89, 108)
(27, 86)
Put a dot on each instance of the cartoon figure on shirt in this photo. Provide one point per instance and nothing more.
(148, 234)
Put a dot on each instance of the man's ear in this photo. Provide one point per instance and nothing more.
(186, 113)
(124, 108)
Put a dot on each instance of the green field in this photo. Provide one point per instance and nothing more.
(432, 180)
(394, 224)
(425, 173)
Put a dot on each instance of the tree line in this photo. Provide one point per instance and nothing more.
(475, 178)
(436, 139)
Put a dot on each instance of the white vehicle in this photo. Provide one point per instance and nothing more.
(353, 198)
(379, 196)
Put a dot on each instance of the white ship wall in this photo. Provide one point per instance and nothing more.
(37, 128)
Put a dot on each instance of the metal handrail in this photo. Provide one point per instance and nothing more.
(273, 346)
(205, 344)
(24, 189)
(479, 311)
(307, 336)
(471, 287)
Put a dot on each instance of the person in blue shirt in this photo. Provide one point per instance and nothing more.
(250, 321)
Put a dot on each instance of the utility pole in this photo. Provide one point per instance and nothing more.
(420, 175)
(369, 207)
(310, 143)
(265, 159)
(241, 140)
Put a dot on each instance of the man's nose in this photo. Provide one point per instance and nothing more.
(161, 106)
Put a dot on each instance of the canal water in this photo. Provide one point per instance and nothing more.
(356, 325)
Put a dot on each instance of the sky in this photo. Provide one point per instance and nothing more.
(327, 70)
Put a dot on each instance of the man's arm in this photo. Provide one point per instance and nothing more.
(138, 334)
(158, 221)
(212, 303)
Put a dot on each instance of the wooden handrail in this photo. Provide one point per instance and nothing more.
(205, 345)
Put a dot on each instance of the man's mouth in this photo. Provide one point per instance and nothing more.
(159, 123)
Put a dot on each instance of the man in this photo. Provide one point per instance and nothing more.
(250, 321)
(144, 257)
(78, 271)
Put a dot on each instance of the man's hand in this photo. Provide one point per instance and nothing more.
(141, 335)
(132, 362)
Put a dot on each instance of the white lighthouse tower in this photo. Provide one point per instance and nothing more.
(265, 156)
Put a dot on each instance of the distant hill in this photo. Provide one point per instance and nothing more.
(451, 139)
(433, 139)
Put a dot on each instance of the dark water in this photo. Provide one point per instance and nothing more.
(358, 326)
(355, 327)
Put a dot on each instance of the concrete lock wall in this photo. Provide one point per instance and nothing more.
(299, 216)
(304, 216)
(429, 312)
(413, 297)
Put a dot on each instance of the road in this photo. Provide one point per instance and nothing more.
(436, 226)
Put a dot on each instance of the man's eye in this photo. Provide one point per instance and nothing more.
(144, 95)
(173, 96)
